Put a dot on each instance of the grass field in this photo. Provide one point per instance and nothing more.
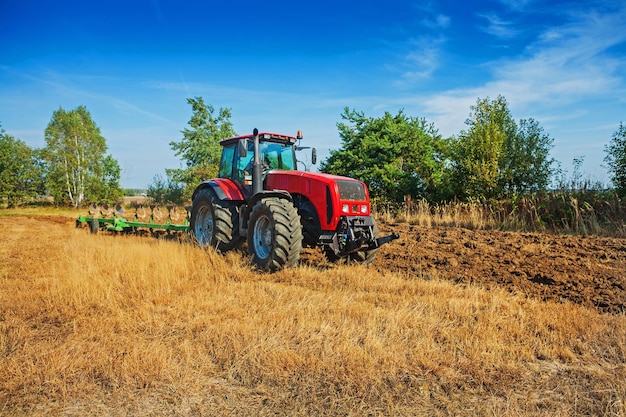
(123, 325)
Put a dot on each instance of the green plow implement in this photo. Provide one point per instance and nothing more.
(102, 217)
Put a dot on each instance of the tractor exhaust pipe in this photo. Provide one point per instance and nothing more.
(257, 173)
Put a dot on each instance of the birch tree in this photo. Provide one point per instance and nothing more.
(75, 156)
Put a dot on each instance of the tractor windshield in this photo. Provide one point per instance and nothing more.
(272, 156)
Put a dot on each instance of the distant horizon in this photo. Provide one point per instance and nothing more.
(285, 67)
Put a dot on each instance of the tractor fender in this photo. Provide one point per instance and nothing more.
(269, 193)
(224, 189)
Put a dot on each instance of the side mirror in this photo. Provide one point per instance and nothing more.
(242, 148)
(314, 156)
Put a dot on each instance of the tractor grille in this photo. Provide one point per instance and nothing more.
(351, 190)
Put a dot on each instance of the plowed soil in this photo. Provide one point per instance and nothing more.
(590, 271)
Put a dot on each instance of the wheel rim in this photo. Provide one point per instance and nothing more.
(263, 232)
(203, 228)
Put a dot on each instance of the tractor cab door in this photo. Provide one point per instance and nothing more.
(242, 167)
(236, 168)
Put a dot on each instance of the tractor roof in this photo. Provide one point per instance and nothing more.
(263, 136)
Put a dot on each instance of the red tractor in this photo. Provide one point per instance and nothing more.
(262, 196)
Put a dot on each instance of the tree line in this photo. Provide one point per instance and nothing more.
(396, 155)
(73, 168)
(402, 156)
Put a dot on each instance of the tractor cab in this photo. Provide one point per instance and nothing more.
(276, 152)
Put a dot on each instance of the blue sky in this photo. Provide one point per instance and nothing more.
(287, 66)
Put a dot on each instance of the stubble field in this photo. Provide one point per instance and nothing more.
(447, 321)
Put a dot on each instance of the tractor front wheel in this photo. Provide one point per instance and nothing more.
(274, 234)
(213, 222)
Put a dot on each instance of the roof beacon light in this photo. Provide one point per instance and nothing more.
(299, 134)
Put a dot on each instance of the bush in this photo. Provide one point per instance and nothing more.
(163, 191)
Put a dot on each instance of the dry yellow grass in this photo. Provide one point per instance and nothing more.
(556, 212)
(117, 325)
(452, 214)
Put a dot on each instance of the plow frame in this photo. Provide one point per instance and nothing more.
(116, 222)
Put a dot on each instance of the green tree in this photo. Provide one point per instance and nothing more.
(616, 159)
(394, 155)
(525, 165)
(199, 147)
(163, 191)
(495, 155)
(77, 168)
(21, 175)
(478, 152)
(105, 184)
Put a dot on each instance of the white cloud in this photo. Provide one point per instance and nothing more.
(421, 61)
(568, 64)
(70, 88)
(516, 5)
(424, 52)
(498, 27)
(439, 21)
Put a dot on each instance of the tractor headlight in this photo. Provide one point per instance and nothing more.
(345, 208)
(364, 209)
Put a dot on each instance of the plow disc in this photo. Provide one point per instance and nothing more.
(151, 218)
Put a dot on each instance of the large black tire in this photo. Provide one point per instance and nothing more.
(214, 222)
(310, 224)
(274, 234)
(362, 257)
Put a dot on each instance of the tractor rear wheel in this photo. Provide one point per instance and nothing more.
(274, 234)
(213, 222)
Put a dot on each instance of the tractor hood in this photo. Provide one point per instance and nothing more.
(306, 183)
(333, 195)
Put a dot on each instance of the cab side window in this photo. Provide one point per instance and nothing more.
(226, 164)
(243, 165)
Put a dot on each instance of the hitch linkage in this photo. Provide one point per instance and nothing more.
(382, 240)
